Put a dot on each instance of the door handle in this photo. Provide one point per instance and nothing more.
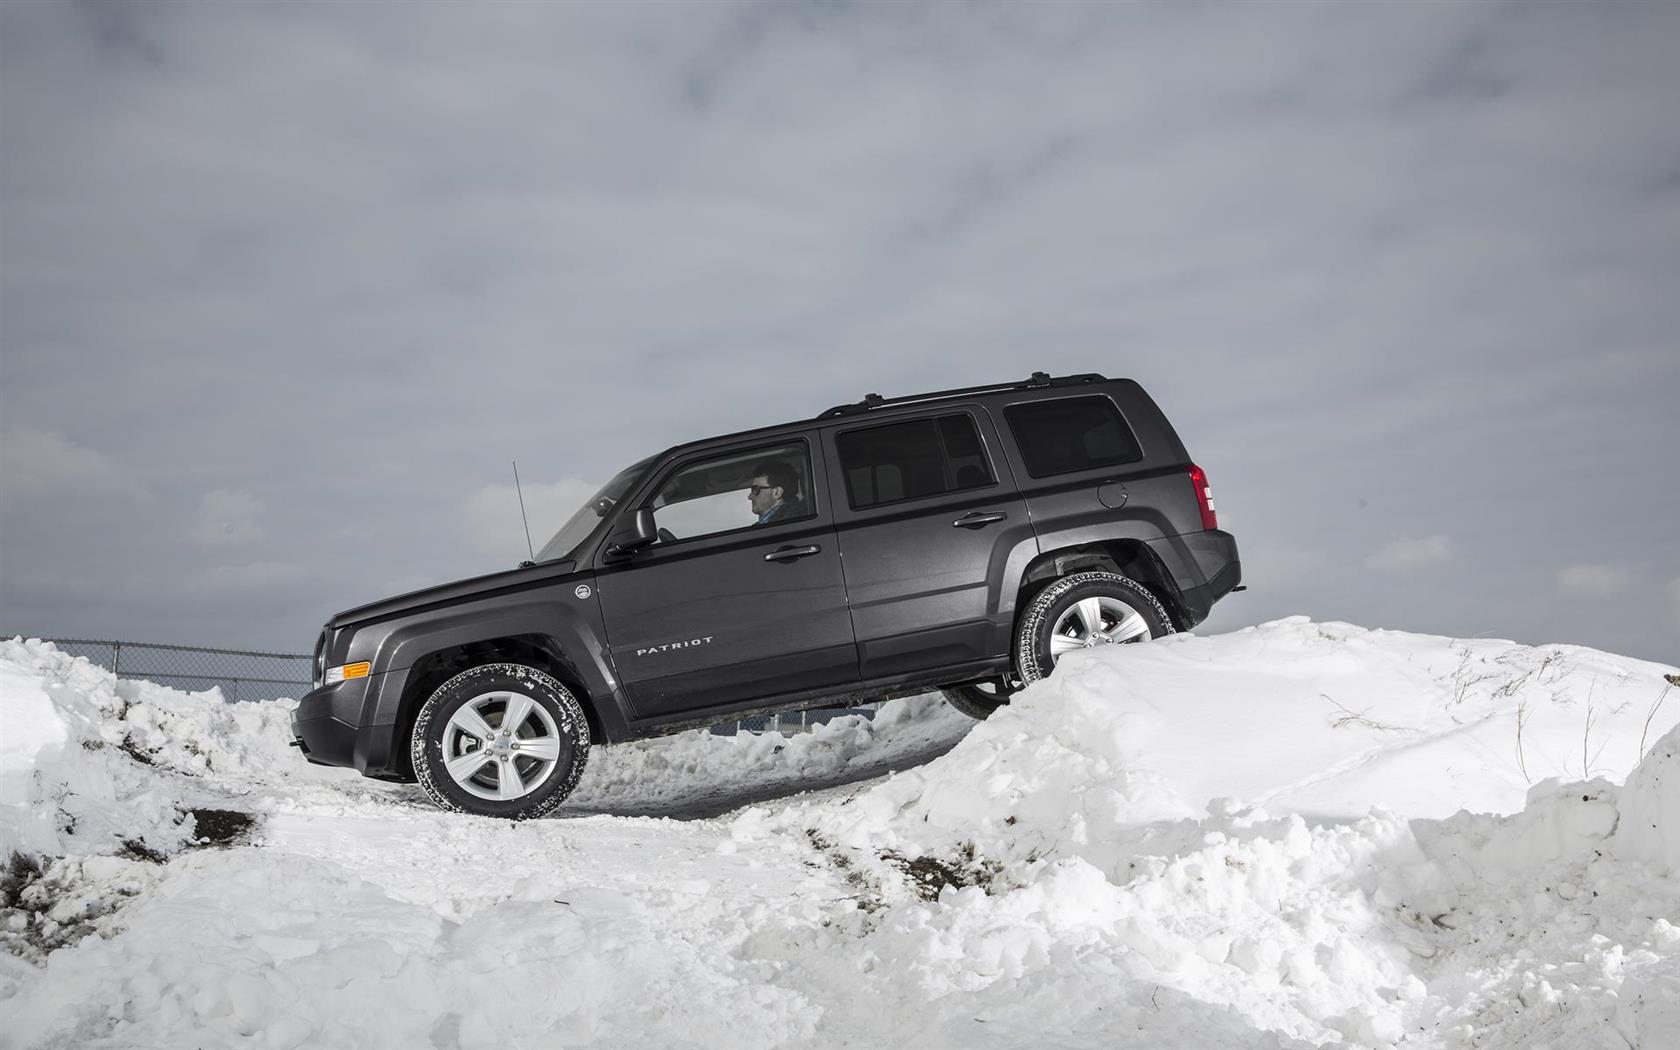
(977, 520)
(790, 553)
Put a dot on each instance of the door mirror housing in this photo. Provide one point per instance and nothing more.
(642, 531)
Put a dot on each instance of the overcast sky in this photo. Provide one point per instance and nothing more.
(284, 288)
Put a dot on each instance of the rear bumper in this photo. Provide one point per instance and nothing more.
(1204, 565)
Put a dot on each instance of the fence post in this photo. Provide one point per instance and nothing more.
(236, 690)
(116, 660)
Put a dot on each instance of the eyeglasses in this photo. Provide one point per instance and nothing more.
(756, 489)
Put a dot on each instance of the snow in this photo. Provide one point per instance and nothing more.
(1299, 834)
(1650, 809)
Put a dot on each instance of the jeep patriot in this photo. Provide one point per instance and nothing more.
(961, 540)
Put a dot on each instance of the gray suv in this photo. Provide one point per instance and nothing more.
(961, 540)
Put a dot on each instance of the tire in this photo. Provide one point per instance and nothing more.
(979, 699)
(526, 771)
(1054, 621)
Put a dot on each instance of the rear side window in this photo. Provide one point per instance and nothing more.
(904, 461)
(1071, 433)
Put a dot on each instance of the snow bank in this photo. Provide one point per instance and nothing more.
(1101, 809)
(1323, 719)
(90, 762)
(1650, 807)
(234, 947)
(1250, 840)
(680, 773)
(1551, 939)
(148, 945)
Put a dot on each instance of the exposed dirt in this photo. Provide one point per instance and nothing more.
(220, 827)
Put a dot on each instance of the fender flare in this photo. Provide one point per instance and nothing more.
(1065, 551)
(571, 637)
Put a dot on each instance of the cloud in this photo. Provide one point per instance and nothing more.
(1402, 555)
(654, 225)
(1673, 594)
(1279, 564)
(260, 576)
(1592, 579)
(227, 516)
(36, 460)
(492, 514)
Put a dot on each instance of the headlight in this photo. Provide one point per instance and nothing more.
(339, 674)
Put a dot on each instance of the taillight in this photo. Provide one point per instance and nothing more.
(1204, 497)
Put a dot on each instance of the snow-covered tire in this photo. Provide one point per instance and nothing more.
(526, 769)
(1053, 622)
(978, 699)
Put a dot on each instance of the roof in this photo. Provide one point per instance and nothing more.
(1038, 380)
(873, 402)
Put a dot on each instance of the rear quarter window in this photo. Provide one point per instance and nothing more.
(1071, 434)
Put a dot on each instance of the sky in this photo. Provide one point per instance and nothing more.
(285, 288)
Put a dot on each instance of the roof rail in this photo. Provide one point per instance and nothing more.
(1036, 380)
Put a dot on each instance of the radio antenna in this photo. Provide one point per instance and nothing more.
(522, 516)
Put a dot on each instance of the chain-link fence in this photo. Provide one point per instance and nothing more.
(240, 674)
(243, 674)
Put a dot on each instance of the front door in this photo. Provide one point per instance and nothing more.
(741, 597)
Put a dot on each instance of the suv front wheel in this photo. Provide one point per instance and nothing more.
(500, 740)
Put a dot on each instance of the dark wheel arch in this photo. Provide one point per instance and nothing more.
(1128, 613)
(437, 667)
(1130, 558)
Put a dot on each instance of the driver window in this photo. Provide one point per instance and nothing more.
(763, 487)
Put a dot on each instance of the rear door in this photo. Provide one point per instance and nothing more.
(927, 527)
(723, 610)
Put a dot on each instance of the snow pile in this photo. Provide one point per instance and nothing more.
(1301, 931)
(1250, 840)
(1552, 939)
(677, 774)
(1322, 719)
(90, 762)
(1650, 808)
(52, 904)
(292, 950)
(1099, 811)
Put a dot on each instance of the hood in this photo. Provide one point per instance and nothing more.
(459, 590)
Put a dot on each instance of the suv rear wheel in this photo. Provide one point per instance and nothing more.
(1085, 611)
(1082, 611)
(500, 740)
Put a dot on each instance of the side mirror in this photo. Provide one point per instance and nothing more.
(642, 531)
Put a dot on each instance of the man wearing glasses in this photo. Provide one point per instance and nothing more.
(774, 493)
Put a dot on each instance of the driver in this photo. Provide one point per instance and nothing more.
(774, 493)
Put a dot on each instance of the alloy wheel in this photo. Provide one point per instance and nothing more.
(501, 745)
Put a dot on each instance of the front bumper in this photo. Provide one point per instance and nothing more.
(326, 722)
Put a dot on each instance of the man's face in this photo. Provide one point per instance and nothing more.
(761, 496)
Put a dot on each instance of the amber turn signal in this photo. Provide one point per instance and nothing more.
(339, 674)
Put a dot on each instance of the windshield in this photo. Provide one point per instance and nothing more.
(581, 524)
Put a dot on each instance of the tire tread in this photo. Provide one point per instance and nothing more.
(1032, 621)
(571, 721)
